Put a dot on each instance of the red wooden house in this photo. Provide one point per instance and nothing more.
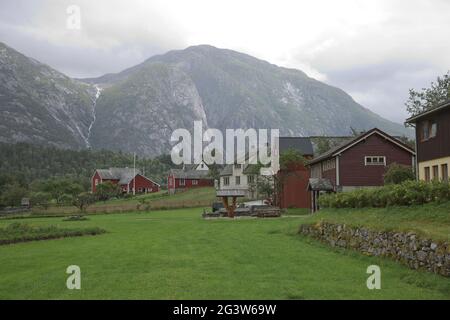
(294, 179)
(126, 178)
(361, 161)
(190, 176)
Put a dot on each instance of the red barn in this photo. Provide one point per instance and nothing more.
(361, 161)
(294, 179)
(190, 176)
(126, 178)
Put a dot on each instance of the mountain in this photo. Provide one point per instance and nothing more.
(40, 105)
(138, 108)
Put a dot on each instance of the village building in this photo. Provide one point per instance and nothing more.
(190, 176)
(243, 179)
(128, 179)
(362, 161)
(293, 178)
(433, 142)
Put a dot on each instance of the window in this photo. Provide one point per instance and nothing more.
(139, 189)
(182, 182)
(429, 130)
(444, 171)
(238, 180)
(375, 161)
(427, 174)
(237, 166)
(226, 181)
(96, 182)
(251, 179)
(435, 172)
(194, 182)
(329, 165)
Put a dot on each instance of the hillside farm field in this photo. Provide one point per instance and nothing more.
(175, 254)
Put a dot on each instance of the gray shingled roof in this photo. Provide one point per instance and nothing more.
(124, 175)
(301, 144)
(320, 184)
(190, 174)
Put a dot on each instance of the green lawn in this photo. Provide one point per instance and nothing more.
(430, 220)
(176, 254)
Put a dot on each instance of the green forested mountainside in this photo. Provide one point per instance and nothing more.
(24, 163)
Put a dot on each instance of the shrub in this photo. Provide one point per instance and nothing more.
(41, 199)
(397, 173)
(404, 194)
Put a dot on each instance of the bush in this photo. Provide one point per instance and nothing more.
(404, 194)
(41, 199)
(397, 173)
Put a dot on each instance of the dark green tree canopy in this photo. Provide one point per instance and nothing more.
(427, 98)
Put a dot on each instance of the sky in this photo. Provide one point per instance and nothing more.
(375, 50)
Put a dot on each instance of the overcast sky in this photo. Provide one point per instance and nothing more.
(373, 49)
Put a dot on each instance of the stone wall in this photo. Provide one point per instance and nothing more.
(407, 248)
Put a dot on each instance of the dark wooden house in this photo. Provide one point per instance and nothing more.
(433, 142)
(361, 161)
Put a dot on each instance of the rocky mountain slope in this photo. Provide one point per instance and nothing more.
(139, 108)
(41, 105)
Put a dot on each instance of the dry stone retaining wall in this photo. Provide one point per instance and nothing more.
(407, 248)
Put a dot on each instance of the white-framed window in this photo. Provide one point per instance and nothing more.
(226, 181)
(251, 179)
(238, 180)
(182, 182)
(96, 182)
(375, 160)
(237, 166)
(194, 182)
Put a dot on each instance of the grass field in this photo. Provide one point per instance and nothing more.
(430, 220)
(174, 254)
(196, 197)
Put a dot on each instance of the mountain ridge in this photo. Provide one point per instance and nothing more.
(139, 107)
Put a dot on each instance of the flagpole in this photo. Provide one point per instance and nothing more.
(134, 173)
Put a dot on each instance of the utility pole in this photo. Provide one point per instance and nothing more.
(134, 173)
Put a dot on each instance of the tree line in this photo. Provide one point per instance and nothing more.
(57, 175)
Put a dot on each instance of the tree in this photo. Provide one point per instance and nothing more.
(438, 92)
(83, 200)
(323, 145)
(397, 174)
(13, 195)
(107, 190)
(58, 187)
(41, 199)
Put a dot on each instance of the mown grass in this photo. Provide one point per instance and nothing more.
(174, 254)
(197, 197)
(430, 220)
(21, 232)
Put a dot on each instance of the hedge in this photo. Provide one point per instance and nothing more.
(404, 194)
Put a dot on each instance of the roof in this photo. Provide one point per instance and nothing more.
(301, 144)
(320, 184)
(190, 174)
(124, 175)
(436, 108)
(348, 144)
